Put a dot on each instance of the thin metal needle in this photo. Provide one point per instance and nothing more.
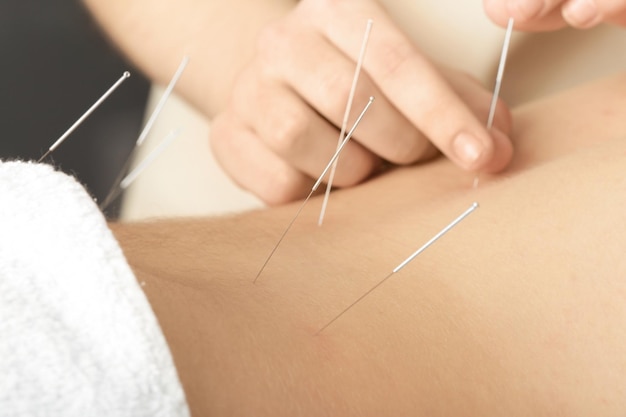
(135, 173)
(86, 115)
(167, 141)
(499, 76)
(344, 124)
(114, 191)
(445, 230)
(166, 94)
(316, 186)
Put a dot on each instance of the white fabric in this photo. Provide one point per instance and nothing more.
(77, 335)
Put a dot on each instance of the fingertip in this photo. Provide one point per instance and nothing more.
(489, 154)
(581, 14)
(469, 151)
(529, 15)
(498, 11)
(502, 152)
(524, 10)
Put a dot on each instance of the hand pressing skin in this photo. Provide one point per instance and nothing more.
(280, 127)
(554, 14)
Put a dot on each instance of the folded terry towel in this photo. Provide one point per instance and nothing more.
(77, 334)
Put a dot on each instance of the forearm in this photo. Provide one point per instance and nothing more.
(219, 36)
(518, 311)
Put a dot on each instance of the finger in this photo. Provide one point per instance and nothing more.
(253, 166)
(410, 82)
(617, 15)
(322, 76)
(503, 153)
(585, 14)
(479, 100)
(531, 10)
(296, 133)
(530, 15)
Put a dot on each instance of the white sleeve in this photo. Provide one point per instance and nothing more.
(77, 334)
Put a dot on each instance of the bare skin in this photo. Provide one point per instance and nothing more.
(518, 311)
(554, 14)
(293, 62)
(156, 35)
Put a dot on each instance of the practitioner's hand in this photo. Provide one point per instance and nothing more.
(281, 126)
(553, 14)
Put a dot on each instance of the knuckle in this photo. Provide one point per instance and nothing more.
(284, 131)
(336, 89)
(283, 188)
(408, 151)
(395, 57)
(271, 42)
(351, 174)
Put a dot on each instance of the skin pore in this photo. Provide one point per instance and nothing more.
(519, 310)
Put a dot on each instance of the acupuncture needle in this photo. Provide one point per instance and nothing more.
(499, 76)
(344, 124)
(404, 263)
(129, 179)
(78, 122)
(316, 185)
(166, 94)
(114, 190)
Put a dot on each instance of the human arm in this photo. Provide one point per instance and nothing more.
(554, 14)
(293, 65)
(518, 311)
(220, 36)
(283, 119)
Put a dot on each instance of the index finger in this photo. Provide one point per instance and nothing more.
(411, 83)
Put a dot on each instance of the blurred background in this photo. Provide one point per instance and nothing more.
(55, 65)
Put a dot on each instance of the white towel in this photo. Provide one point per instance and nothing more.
(77, 334)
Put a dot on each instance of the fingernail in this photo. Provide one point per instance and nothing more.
(524, 9)
(467, 148)
(580, 13)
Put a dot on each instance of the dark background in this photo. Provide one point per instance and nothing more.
(55, 64)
